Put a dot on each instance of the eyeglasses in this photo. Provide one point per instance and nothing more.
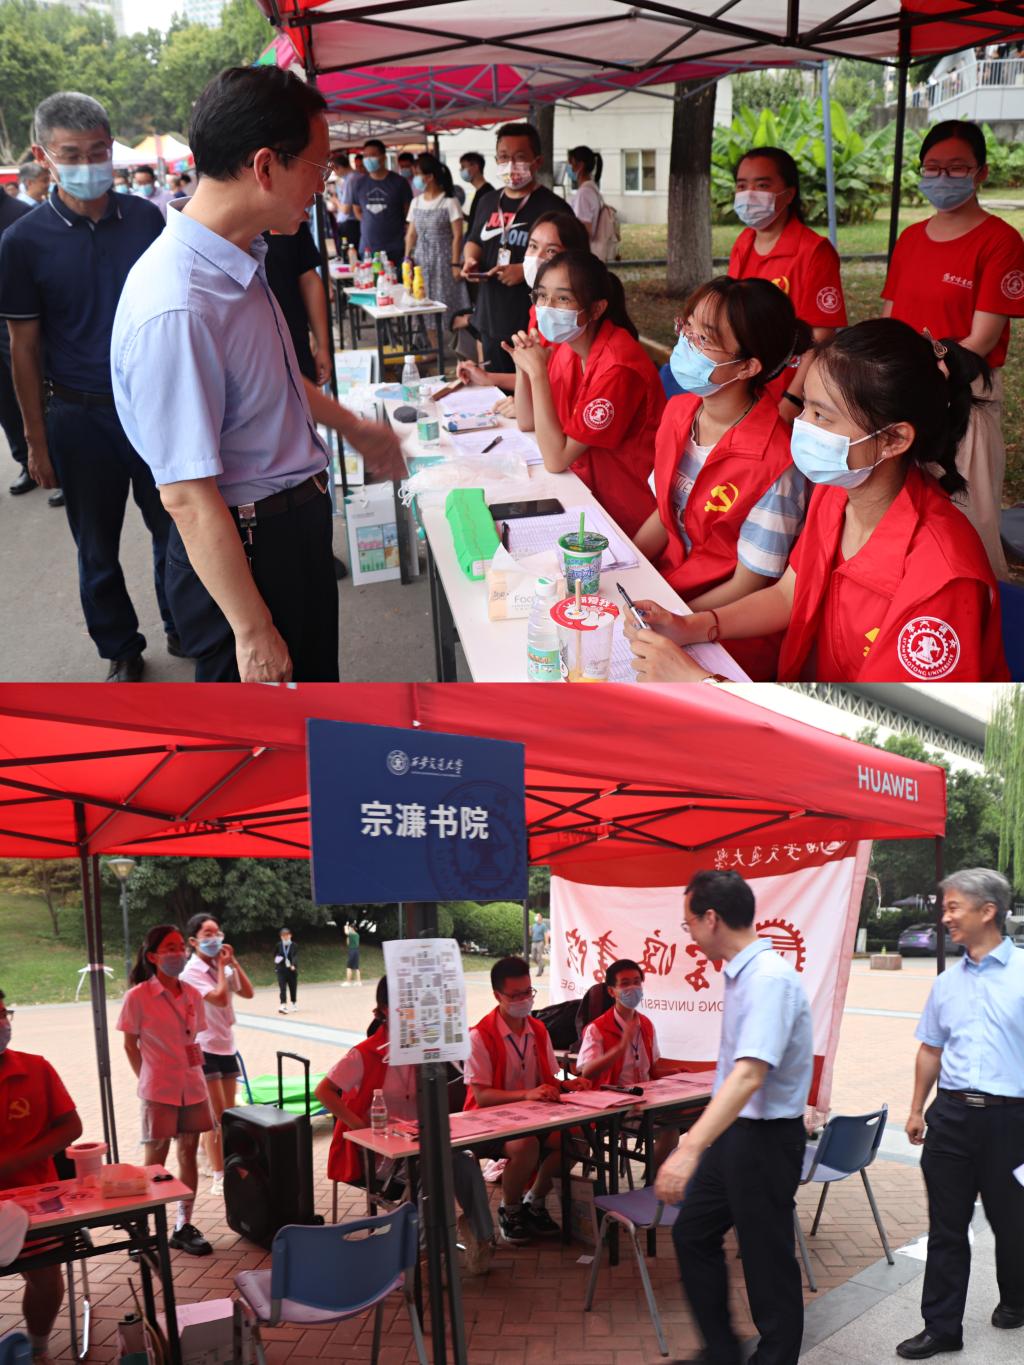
(541, 299)
(6, 1015)
(520, 162)
(954, 172)
(697, 339)
(75, 159)
(325, 171)
(518, 998)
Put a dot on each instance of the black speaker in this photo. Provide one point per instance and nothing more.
(268, 1170)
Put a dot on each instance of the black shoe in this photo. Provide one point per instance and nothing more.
(56, 499)
(925, 1344)
(539, 1221)
(174, 648)
(24, 483)
(190, 1239)
(127, 670)
(514, 1227)
(1005, 1316)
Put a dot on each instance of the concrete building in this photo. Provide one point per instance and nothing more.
(111, 7)
(985, 88)
(206, 12)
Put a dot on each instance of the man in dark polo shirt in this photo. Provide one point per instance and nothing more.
(62, 270)
(10, 414)
(292, 266)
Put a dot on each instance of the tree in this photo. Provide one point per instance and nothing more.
(1004, 756)
(689, 186)
(56, 880)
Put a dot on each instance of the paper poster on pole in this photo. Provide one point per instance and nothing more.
(426, 1001)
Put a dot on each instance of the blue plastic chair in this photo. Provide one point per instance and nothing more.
(15, 1349)
(1011, 600)
(847, 1145)
(636, 1212)
(668, 381)
(324, 1274)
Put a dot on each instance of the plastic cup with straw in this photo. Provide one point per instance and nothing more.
(582, 551)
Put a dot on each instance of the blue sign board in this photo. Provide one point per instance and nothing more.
(414, 815)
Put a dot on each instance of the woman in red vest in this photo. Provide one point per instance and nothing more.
(347, 1092)
(593, 398)
(889, 581)
(730, 503)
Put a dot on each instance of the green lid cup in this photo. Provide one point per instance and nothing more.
(581, 559)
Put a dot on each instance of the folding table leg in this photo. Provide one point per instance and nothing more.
(877, 1216)
(444, 625)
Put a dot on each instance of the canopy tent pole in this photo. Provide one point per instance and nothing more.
(901, 122)
(830, 168)
(89, 866)
(940, 932)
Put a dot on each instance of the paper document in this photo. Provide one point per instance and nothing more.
(427, 993)
(513, 442)
(470, 399)
(599, 1099)
(532, 535)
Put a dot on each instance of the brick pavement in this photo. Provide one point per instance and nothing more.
(528, 1309)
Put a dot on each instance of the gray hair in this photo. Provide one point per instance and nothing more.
(71, 110)
(984, 886)
(29, 171)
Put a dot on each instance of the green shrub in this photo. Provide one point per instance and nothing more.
(386, 919)
(495, 928)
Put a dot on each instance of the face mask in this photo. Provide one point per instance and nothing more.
(419, 184)
(631, 996)
(754, 208)
(571, 176)
(519, 1009)
(146, 190)
(531, 264)
(171, 964)
(466, 175)
(86, 182)
(210, 947)
(286, 941)
(691, 369)
(515, 177)
(559, 324)
(5, 1037)
(405, 172)
(943, 192)
(121, 189)
(371, 163)
(822, 456)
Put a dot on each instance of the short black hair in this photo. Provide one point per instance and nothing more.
(724, 892)
(520, 130)
(476, 159)
(376, 144)
(507, 969)
(340, 159)
(624, 964)
(146, 170)
(406, 156)
(958, 128)
(246, 108)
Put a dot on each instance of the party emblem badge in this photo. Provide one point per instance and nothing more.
(928, 648)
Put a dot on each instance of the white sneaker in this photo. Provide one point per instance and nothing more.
(345, 984)
(282, 1009)
(217, 1183)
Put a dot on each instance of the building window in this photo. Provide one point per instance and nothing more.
(639, 176)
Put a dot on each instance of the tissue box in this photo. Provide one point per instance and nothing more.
(121, 1181)
(510, 592)
(215, 1332)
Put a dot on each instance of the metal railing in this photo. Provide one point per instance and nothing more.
(988, 74)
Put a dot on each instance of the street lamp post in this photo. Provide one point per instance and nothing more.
(122, 869)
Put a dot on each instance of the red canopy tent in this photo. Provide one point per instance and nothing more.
(622, 789)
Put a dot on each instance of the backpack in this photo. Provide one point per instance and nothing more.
(607, 234)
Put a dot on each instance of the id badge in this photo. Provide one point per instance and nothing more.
(194, 1054)
(504, 255)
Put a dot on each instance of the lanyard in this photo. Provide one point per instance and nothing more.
(520, 204)
(521, 1053)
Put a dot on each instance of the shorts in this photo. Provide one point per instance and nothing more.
(220, 1064)
(353, 960)
(161, 1122)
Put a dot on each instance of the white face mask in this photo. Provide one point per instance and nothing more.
(515, 177)
(531, 264)
(754, 208)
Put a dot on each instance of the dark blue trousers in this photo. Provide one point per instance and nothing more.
(10, 414)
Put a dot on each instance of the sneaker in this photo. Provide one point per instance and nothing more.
(217, 1183)
(345, 984)
(539, 1221)
(514, 1226)
(478, 1254)
(189, 1238)
(282, 1009)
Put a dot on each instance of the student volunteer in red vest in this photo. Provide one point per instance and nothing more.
(777, 245)
(594, 399)
(730, 502)
(888, 582)
(960, 274)
(347, 1093)
(511, 1059)
(621, 1047)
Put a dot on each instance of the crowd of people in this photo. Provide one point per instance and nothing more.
(826, 498)
(737, 1166)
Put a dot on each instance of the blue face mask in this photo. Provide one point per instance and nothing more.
(145, 190)
(405, 172)
(466, 175)
(171, 964)
(823, 456)
(86, 182)
(570, 176)
(419, 184)
(631, 997)
(121, 189)
(558, 324)
(692, 369)
(945, 193)
(210, 947)
(371, 164)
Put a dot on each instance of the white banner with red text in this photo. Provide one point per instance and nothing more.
(808, 908)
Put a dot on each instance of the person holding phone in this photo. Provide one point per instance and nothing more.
(286, 969)
(162, 1019)
(216, 973)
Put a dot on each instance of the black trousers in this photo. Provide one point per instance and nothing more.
(10, 414)
(498, 361)
(747, 1179)
(293, 566)
(968, 1152)
(287, 983)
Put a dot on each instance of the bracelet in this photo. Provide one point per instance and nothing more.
(797, 402)
(716, 627)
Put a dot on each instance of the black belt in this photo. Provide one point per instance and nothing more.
(85, 400)
(251, 513)
(977, 1099)
(761, 1123)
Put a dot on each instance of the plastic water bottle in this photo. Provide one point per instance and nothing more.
(378, 1113)
(385, 291)
(542, 660)
(410, 380)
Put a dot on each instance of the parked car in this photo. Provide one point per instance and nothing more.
(924, 938)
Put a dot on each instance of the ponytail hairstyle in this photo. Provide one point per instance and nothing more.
(788, 172)
(378, 1021)
(571, 232)
(428, 164)
(592, 281)
(591, 161)
(762, 320)
(143, 968)
(885, 372)
(193, 926)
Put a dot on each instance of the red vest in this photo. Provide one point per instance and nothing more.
(345, 1160)
(611, 1034)
(736, 475)
(489, 1029)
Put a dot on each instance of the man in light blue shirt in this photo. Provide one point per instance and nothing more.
(206, 381)
(740, 1163)
(972, 1043)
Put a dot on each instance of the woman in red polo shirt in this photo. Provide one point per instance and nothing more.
(888, 581)
(730, 503)
(777, 245)
(593, 398)
(960, 274)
